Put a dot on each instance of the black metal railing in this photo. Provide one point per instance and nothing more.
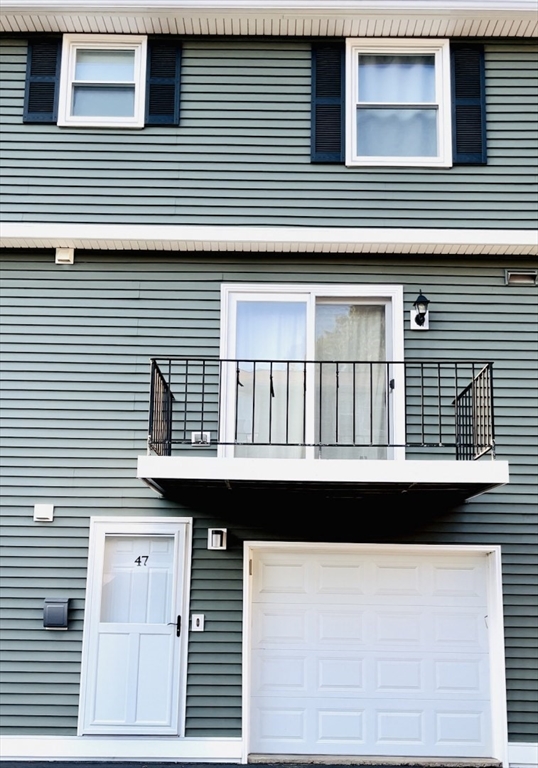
(333, 408)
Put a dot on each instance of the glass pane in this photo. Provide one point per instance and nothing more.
(270, 399)
(397, 79)
(97, 101)
(137, 579)
(110, 66)
(271, 330)
(397, 132)
(351, 396)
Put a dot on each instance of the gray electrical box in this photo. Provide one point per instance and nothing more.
(55, 612)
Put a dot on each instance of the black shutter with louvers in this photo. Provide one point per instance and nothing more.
(328, 93)
(468, 104)
(163, 82)
(42, 80)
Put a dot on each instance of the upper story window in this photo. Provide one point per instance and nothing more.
(398, 103)
(378, 102)
(103, 81)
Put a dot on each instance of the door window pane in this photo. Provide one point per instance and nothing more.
(137, 579)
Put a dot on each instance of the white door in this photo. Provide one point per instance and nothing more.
(135, 628)
(370, 654)
(279, 403)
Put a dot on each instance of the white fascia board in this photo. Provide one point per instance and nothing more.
(318, 471)
(344, 18)
(433, 7)
(270, 239)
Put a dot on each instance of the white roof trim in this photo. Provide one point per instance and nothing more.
(346, 18)
(157, 237)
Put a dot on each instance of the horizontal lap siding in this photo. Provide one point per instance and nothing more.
(241, 155)
(76, 346)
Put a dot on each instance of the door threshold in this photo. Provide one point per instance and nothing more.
(366, 761)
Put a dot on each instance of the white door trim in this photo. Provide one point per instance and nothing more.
(495, 611)
(100, 526)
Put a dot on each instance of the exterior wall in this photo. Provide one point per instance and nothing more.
(76, 346)
(242, 153)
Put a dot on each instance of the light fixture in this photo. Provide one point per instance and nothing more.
(216, 538)
(419, 313)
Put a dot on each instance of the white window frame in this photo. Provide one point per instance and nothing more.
(71, 45)
(391, 295)
(441, 51)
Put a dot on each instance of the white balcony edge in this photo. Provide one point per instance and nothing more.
(370, 472)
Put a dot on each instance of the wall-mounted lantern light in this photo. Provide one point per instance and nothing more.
(216, 538)
(420, 319)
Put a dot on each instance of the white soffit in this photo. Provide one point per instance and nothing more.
(323, 18)
(340, 240)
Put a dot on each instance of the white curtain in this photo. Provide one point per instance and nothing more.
(396, 79)
(386, 132)
(351, 394)
(270, 397)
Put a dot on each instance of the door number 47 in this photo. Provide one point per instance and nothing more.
(142, 560)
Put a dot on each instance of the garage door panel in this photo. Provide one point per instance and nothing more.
(339, 579)
(313, 675)
(398, 580)
(460, 630)
(285, 626)
(462, 727)
(336, 727)
(459, 580)
(455, 630)
(343, 726)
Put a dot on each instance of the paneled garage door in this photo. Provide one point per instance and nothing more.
(370, 653)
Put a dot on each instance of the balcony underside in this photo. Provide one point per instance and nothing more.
(452, 481)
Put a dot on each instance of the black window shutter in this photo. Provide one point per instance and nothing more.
(328, 102)
(163, 82)
(468, 104)
(42, 80)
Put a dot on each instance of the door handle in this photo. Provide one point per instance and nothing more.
(178, 627)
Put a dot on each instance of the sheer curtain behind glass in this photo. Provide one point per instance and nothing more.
(351, 397)
(396, 80)
(270, 398)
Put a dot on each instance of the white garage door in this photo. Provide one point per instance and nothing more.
(370, 654)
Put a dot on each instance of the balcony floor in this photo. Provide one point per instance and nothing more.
(457, 480)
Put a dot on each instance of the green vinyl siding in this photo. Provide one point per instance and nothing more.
(241, 155)
(76, 346)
